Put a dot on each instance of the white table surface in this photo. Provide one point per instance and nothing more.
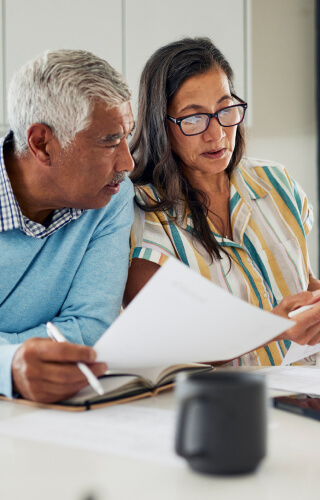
(31, 470)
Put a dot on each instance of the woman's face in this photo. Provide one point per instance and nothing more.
(211, 151)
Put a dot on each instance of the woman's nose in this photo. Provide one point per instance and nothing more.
(214, 132)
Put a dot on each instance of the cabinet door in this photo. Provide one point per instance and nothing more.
(33, 26)
(153, 23)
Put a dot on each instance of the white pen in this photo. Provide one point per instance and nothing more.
(300, 310)
(57, 336)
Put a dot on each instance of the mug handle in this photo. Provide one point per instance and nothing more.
(181, 422)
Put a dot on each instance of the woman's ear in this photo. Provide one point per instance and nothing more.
(39, 137)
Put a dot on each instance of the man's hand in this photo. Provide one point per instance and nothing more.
(307, 328)
(46, 372)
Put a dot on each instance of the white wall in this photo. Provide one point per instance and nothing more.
(282, 101)
(283, 93)
(124, 32)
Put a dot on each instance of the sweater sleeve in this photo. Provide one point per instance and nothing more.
(95, 295)
(7, 352)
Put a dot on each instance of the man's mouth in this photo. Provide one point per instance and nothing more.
(117, 179)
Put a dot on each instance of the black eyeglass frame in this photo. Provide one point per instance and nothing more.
(178, 121)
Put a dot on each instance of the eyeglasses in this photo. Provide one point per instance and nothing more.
(198, 123)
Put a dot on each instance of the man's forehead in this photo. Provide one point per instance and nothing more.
(121, 112)
(113, 121)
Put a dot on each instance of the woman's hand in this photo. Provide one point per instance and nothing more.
(307, 328)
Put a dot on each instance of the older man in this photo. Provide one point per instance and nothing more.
(66, 208)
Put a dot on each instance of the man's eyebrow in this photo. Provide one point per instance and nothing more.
(116, 137)
(197, 107)
(111, 137)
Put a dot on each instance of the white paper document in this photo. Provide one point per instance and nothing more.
(181, 317)
(296, 352)
(293, 379)
(124, 430)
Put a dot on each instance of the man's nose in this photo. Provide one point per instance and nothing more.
(124, 161)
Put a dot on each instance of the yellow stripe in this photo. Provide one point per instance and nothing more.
(256, 278)
(290, 220)
(264, 358)
(203, 268)
(273, 264)
(132, 244)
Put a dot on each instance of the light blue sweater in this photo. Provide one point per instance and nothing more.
(75, 278)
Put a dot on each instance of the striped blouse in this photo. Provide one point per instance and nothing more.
(270, 218)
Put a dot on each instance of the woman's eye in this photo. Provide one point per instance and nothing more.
(225, 112)
(193, 120)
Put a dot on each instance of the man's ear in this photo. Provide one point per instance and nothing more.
(39, 137)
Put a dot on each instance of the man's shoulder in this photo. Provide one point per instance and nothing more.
(118, 201)
(119, 208)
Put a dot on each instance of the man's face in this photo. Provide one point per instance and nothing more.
(88, 172)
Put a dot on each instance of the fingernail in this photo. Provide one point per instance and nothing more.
(316, 293)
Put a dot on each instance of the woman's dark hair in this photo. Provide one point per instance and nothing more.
(166, 70)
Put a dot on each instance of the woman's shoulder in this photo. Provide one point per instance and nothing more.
(256, 163)
(265, 170)
(147, 194)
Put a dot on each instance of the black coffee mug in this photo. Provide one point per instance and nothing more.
(222, 421)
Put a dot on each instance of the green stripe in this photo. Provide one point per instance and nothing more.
(287, 343)
(147, 253)
(178, 244)
(256, 259)
(269, 355)
(297, 196)
(285, 197)
(233, 202)
(249, 277)
(283, 353)
(250, 189)
(158, 245)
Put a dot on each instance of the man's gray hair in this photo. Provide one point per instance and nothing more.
(59, 88)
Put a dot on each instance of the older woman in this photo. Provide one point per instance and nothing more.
(241, 223)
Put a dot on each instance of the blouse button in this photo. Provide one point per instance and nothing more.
(265, 294)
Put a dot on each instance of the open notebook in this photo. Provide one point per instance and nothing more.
(122, 387)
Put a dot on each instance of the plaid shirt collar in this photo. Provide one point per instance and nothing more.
(11, 216)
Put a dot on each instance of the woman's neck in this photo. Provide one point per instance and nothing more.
(212, 185)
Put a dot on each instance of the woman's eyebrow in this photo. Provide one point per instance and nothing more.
(199, 106)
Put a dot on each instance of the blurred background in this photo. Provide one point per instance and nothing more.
(271, 46)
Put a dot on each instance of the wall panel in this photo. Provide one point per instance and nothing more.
(151, 23)
(36, 25)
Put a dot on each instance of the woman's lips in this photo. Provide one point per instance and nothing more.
(212, 155)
